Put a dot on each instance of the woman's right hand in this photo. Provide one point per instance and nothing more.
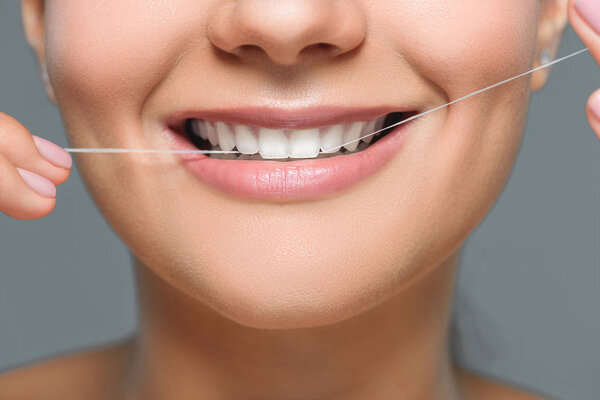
(30, 169)
(584, 16)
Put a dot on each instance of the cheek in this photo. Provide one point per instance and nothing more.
(460, 163)
(102, 51)
(465, 45)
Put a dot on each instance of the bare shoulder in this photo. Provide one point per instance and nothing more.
(479, 387)
(91, 374)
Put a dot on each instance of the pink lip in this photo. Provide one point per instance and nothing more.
(278, 118)
(292, 180)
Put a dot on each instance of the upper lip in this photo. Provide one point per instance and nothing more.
(280, 118)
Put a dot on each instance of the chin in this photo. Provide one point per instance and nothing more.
(291, 305)
(294, 292)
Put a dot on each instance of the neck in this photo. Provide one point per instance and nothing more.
(398, 349)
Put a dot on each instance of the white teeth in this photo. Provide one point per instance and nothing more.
(304, 143)
(331, 142)
(211, 132)
(245, 140)
(265, 143)
(353, 133)
(226, 136)
(272, 143)
(199, 129)
(370, 128)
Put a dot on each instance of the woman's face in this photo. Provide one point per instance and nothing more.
(310, 242)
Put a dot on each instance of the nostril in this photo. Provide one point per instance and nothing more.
(247, 50)
(320, 49)
(314, 51)
(323, 46)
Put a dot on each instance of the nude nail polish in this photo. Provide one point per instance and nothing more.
(590, 12)
(38, 183)
(53, 153)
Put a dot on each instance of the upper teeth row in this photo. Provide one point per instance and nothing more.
(284, 143)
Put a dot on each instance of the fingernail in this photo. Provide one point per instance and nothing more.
(595, 105)
(53, 153)
(590, 11)
(38, 183)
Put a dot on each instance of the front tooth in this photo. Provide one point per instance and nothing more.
(199, 128)
(353, 133)
(305, 143)
(370, 128)
(226, 136)
(331, 142)
(245, 140)
(211, 132)
(272, 143)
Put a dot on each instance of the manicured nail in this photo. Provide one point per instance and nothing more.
(53, 153)
(590, 11)
(595, 105)
(38, 183)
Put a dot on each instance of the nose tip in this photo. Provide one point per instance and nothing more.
(287, 32)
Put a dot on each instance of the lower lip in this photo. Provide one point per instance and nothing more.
(291, 180)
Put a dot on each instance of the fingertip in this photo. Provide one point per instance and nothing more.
(586, 26)
(594, 104)
(53, 153)
(57, 157)
(62, 177)
(38, 183)
(593, 107)
(589, 11)
(33, 208)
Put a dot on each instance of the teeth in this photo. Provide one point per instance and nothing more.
(370, 128)
(353, 133)
(226, 136)
(332, 139)
(256, 143)
(305, 143)
(211, 132)
(199, 129)
(272, 143)
(245, 140)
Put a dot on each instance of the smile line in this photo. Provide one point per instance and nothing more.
(155, 151)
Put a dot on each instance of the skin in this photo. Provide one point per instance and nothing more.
(347, 297)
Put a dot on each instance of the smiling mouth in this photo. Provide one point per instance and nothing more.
(286, 144)
(288, 155)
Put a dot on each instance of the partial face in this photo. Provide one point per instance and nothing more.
(277, 243)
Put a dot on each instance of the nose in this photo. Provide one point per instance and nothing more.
(287, 32)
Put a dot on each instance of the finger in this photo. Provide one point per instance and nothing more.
(593, 112)
(33, 153)
(24, 194)
(584, 16)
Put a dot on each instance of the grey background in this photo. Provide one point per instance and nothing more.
(528, 295)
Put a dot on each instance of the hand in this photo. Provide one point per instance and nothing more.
(584, 16)
(30, 169)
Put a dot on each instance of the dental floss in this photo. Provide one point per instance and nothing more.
(118, 151)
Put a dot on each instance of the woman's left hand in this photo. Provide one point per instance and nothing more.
(584, 16)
